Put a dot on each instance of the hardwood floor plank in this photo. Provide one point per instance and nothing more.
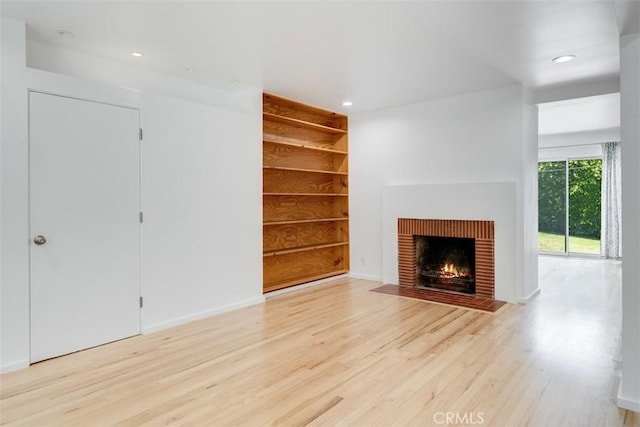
(340, 355)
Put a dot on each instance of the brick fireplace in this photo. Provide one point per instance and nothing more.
(478, 234)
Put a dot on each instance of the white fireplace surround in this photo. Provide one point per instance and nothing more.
(467, 201)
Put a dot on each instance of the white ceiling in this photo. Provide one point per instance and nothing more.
(377, 54)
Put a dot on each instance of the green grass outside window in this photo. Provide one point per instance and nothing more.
(555, 243)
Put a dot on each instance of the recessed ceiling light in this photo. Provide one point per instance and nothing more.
(235, 82)
(347, 104)
(563, 58)
(189, 69)
(64, 33)
(137, 54)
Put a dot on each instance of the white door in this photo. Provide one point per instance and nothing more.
(84, 160)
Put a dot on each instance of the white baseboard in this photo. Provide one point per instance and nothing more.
(629, 404)
(197, 316)
(15, 366)
(304, 285)
(530, 296)
(365, 277)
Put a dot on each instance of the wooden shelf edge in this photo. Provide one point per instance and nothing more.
(302, 221)
(306, 194)
(268, 287)
(302, 123)
(303, 249)
(305, 146)
(281, 168)
(277, 99)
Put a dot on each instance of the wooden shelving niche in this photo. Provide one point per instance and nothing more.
(305, 193)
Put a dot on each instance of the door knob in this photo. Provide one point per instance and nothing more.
(39, 240)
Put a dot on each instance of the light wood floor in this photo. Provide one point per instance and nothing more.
(337, 354)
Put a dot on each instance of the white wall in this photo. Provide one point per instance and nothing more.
(586, 113)
(14, 224)
(201, 189)
(629, 393)
(569, 152)
(579, 138)
(472, 138)
(528, 287)
(201, 196)
(575, 144)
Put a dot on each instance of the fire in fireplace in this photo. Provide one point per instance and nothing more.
(446, 263)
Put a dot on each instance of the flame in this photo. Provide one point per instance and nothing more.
(450, 269)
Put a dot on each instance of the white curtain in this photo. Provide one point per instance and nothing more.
(611, 225)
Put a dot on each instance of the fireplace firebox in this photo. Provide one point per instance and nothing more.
(446, 263)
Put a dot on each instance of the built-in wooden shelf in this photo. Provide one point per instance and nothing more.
(305, 187)
(304, 221)
(305, 146)
(302, 249)
(301, 123)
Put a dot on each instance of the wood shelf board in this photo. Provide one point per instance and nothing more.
(281, 168)
(288, 132)
(277, 99)
(295, 207)
(302, 123)
(291, 157)
(303, 249)
(268, 287)
(294, 182)
(307, 194)
(304, 146)
(302, 221)
(290, 236)
(290, 103)
(293, 266)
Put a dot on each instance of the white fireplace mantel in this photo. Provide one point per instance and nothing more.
(495, 201)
